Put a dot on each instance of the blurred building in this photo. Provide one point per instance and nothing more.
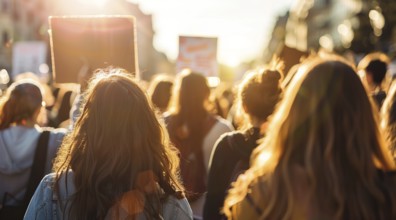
(21, 20)
(6, 33)
(339, 25)
(28, 21)
(327, 24)
(388, 32)
(277, 39)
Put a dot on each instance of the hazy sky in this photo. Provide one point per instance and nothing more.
(242, 26)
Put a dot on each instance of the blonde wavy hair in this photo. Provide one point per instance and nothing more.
(388, 113)
(324, 140)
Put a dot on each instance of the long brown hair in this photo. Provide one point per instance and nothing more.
(187, 125)
(22, 100)
(116, 139)
(188, 106)
(325, 128)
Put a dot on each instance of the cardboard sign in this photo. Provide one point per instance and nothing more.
(28, 56)
(198, 54)
(93, 41)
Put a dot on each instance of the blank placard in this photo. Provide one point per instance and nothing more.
(96, 41)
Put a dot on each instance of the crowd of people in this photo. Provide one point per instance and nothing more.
(318, 142)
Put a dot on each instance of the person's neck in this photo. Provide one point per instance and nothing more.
(255, 122)
(375, 88)
(27, 123)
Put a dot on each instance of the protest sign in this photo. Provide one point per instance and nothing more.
(78, 42)
(198, 54)
(27, 56)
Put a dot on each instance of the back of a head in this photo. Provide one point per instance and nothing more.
(375, 64)
(335, 135)
(160, 92)
(331, 108)
(117, 113)
(116, 138)
(378, 70)
(113, 102)
(260, 92)
(326, 127)
(22, 100)
(190, 94)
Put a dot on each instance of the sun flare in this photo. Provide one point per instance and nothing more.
(97, 3)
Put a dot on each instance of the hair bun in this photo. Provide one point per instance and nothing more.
(260, 93)
(270, 82)
(270, 76)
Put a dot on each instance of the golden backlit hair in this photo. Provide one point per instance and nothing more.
(326, 128)
(388, 120)
(258, 94)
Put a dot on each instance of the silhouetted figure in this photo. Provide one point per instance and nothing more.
(375, 67)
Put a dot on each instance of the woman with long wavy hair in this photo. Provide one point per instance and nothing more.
(117, 163)
(324, 156)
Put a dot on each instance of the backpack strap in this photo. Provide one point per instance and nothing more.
(38, 168)
(253, 204)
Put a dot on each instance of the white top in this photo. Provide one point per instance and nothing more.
(222, 126)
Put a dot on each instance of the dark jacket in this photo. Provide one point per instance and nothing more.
(230, 157)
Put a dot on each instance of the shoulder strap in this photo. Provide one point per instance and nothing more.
(253, 204)
(38, 167)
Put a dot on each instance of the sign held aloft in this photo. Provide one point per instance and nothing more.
(28, 56)
(199, 54)
(93, 41)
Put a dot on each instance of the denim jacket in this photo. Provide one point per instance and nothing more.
(45, 204)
